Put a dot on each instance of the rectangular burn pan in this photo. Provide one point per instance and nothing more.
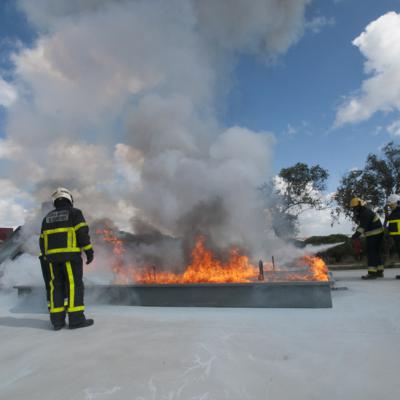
(298, 294)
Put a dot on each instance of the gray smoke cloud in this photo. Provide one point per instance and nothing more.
(119, 101)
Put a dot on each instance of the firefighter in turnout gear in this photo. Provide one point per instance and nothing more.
(370, 226)
(393, 222)
(64, 235)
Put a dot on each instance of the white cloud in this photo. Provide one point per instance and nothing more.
(313, 222)
(380, 45)
(290, 130)
(394, 128)
(316, 24)
(8, 94)
(301, 128)
(8, 149)
(12, 211)
(318, 223)
(378, 130)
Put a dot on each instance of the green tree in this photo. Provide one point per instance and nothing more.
(296, 189)
(374, 183)
(302, 187)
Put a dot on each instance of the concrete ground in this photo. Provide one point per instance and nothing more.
(359, 265)
(351, 351)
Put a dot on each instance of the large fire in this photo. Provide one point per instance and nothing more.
(206, 268)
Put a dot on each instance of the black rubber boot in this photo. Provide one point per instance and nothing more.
(397, 276)
(82, 324)
(379, 274)
(370, 275)
(58, 326)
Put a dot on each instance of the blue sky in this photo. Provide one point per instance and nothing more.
(304, 88)
(296, 96)
(14, 29)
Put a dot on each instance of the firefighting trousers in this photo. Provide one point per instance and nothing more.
(396, 240)
(46, 277)
(374, 253)
(66, 282)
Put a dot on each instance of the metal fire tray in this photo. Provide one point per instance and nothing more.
(290, 294)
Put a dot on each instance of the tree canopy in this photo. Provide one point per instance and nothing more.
(296, 189)
(379, 178)
(302, 187)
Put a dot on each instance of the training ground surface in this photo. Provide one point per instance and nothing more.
(351, 351)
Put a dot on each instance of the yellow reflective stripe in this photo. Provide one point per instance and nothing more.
(57, 310)
(48, 232)
(77, 308)
(64, 250)
(69, 239)
(79, 226)
(88, 247)
(71, 281)
(76, 228)
(46, 243)
(41, 236)
(57, 230)
(73, 239)
(372, 269)
(53, 309)
(374, 232)
(395, 222)
(51, 286)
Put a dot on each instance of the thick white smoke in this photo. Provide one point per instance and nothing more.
(119, 101)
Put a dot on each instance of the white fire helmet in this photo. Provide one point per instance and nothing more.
(62, 193)
(393, 200)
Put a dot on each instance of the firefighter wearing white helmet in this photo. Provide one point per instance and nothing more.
(62, 193)
(393, 222)
(370, 226)
(64, 235)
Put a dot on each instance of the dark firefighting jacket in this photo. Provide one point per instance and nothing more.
(369, 223)
(64, 234)
(393, 222)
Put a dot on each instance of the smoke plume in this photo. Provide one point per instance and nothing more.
(120, 102)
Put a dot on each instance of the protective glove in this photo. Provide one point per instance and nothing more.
(89, 256)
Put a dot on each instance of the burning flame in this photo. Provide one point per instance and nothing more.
(117, 265)
(317, 268)
(206, 268)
